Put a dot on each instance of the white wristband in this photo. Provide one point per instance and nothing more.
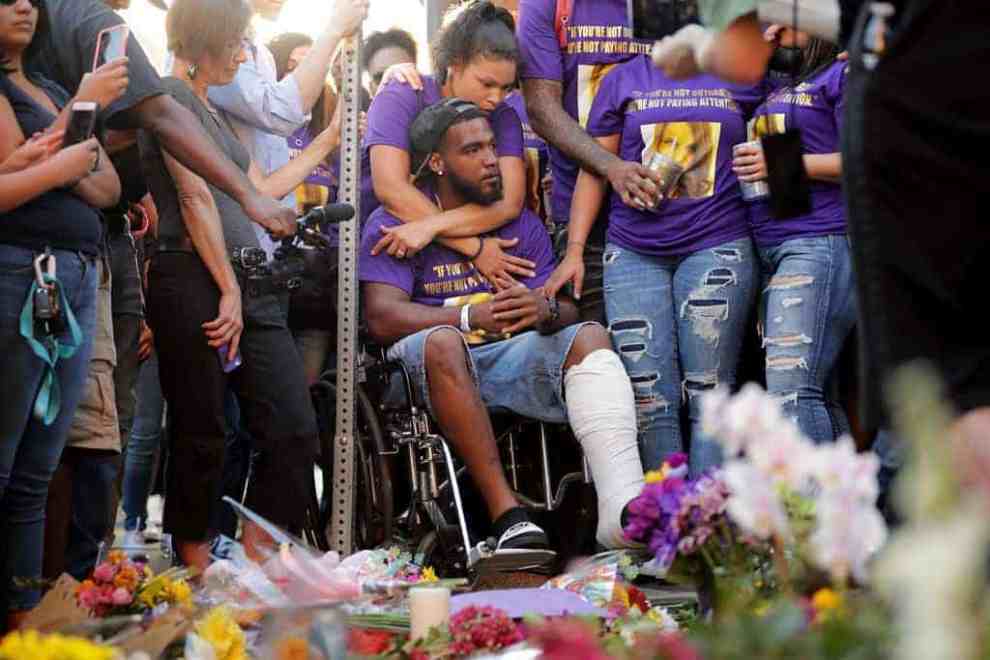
(466, 319)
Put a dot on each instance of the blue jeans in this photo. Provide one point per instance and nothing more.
(522, 375)
(144, 445)
(29, 450)
(92, 474)
(678, 324)
(807, 310)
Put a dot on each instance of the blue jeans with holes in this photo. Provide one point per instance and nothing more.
(144, 445)
(678, 324)
(29, 450)
(807, 311)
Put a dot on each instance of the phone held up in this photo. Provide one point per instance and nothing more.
(111, 44)
(82, 123)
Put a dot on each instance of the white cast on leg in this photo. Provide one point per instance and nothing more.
(602, 414)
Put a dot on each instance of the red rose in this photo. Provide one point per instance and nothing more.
(361, 641)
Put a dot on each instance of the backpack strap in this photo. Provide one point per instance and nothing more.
(562, 20)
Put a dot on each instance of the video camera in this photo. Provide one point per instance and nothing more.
(286, 271)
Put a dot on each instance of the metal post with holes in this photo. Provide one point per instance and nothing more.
(348, 309)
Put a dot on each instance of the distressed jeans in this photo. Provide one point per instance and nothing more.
(678, 324)
(807, 310)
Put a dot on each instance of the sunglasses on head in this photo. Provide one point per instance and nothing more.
(11, 3)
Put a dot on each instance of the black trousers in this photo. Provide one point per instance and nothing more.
(270, 386)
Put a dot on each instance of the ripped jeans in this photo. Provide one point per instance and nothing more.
(807, 311)
(678, 324)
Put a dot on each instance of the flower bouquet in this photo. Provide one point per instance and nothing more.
(119, 586)
(781, 514)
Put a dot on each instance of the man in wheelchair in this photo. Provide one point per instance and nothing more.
(471, 345)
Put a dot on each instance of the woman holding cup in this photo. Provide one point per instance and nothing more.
(808, 306)
(680, 272)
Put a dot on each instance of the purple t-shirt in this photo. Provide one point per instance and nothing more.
(816, 107)
(392, 113)
(695, 122)
(537, 157)
(440, 277)
(577, 53)
(321, 186)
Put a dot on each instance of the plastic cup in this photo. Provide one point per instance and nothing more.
(669, 170)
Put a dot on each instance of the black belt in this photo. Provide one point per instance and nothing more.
(183, 244)
(117, 223)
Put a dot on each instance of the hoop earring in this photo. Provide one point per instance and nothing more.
(192, 70)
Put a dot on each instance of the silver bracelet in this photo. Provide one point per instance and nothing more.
(466, 319)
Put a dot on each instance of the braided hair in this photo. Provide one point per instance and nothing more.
(476, 28)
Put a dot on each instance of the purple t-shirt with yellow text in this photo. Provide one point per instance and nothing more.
(695, 122)
(815, 106)
(392, 113)
(577, 53)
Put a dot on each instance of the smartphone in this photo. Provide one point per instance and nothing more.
(790, 194)
(653, 20)
(225, 364)
(111, 44)
(82, 123)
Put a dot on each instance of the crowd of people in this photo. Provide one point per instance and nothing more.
(551, 225)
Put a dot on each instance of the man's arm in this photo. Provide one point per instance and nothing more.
(180, 133)
(545, 105)
(392, 314)
(278, 108)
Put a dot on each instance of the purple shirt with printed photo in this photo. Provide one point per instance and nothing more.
(695, 123)
(814, 106)
(576, 52)
(392, 113)
(439, 276)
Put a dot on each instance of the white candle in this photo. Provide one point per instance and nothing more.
(428, 607)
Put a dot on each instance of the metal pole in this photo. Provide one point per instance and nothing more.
(348, 308)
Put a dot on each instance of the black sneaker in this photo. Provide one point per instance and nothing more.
(523, 536)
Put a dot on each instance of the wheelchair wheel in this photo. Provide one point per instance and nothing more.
(374, 504)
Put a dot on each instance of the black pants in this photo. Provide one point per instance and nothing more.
(270, 387)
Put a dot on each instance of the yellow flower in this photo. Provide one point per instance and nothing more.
(428, 575)
(826, 600)
(223, 634)
(30, 645)
(655, 476)
(179, 593)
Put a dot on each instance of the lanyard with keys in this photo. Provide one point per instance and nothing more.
(45, 317)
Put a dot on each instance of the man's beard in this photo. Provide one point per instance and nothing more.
(474, 193)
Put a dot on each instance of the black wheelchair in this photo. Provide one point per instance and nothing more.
(409, 488)
(411, 491)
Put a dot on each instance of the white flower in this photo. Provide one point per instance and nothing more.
(847, 534)
(839, 467)
(784, 456)
(753, 504)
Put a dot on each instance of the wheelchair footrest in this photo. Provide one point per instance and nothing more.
(484, 560)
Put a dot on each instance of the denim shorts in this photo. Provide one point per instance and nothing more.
(522, 375)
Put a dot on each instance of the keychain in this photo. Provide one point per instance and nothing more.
(47, 311)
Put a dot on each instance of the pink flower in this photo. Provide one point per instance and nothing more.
(121, 596)
(104, 573)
